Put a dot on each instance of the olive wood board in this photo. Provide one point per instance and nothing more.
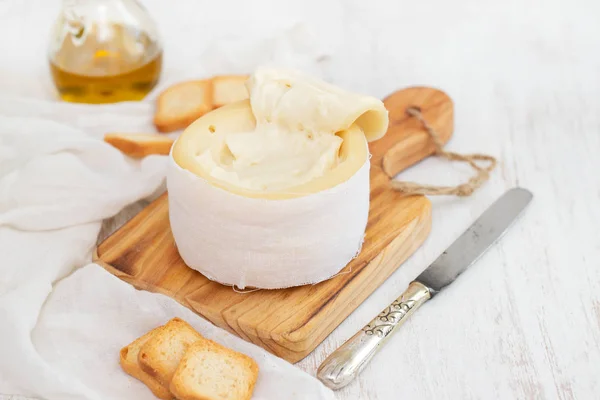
(291, 322)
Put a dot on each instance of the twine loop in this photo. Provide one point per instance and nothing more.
(462, 190)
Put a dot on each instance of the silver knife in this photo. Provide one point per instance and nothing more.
(345, 363)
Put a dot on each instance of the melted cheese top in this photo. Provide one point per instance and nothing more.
(294, 142)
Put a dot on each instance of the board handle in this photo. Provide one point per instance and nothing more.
(345, 363)
(405, 142)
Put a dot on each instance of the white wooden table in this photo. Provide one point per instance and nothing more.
(524, 323)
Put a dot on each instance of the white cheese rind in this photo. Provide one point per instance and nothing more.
(268, 244)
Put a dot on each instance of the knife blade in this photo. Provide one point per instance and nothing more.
(345, 363)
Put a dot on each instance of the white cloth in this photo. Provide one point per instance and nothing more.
(61, 330)
(293, 228)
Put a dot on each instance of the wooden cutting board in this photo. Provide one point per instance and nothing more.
(292, 322)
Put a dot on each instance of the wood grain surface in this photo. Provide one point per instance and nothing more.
(292, 322)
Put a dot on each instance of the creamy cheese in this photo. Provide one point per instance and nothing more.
(270, 157)
(295, 140)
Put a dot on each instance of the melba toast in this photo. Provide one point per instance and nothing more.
(140, 144)
(160, 355)
(176, 362)
(229, 89)
(209, 371)
(181, 104)
(129, 363)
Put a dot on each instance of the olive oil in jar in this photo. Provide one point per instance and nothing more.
(104, 51)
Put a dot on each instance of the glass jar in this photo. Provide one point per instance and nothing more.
(104, 51)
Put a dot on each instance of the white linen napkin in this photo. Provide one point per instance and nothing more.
(61, 342)
(63, 319)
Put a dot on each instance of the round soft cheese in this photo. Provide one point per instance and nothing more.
(249, 237)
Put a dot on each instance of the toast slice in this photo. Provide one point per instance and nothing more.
(181, 104)
(129, 363)
(228, 89)
(209, 371)
(161, 354)
(140, 144)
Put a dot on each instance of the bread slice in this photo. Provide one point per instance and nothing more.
(161, 354)
(129, 363)
(181, 104)
(209, 371)
(228, 89)
(140, 144)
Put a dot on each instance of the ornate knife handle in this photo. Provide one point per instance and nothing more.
(345, 363)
